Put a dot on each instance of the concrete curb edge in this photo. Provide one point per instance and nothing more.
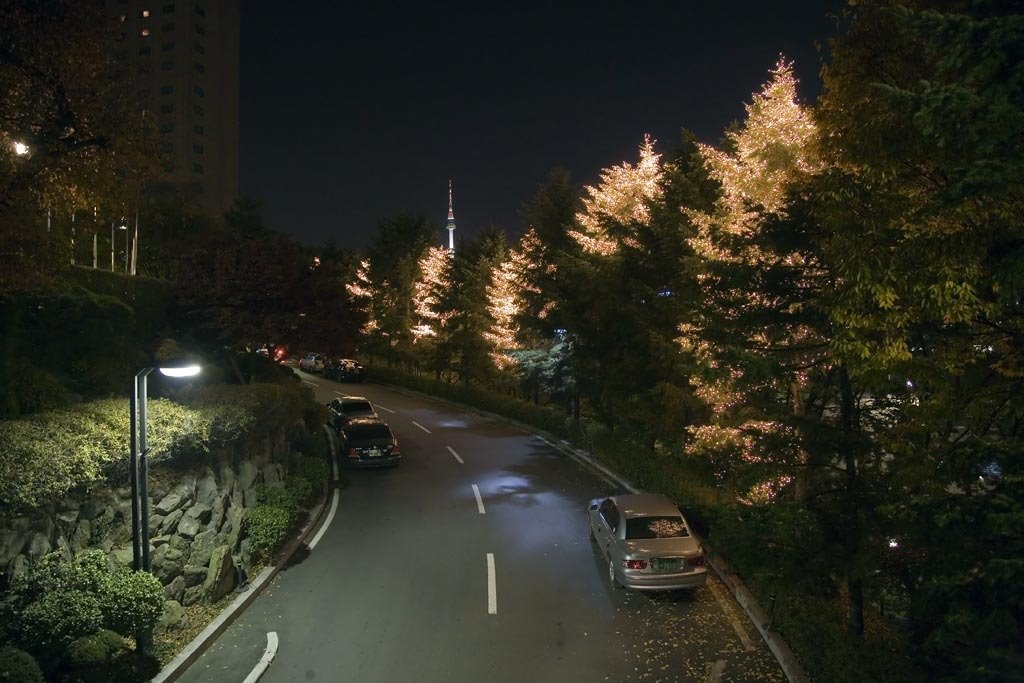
(783, 654)
(198, 645)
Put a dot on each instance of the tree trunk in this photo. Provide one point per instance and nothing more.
(802, 473)
(854, 580)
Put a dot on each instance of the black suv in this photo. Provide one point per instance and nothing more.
(368, 442)
(344, 370)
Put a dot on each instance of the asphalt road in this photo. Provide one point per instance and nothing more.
(400, 586)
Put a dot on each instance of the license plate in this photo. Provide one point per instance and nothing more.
(665, 565)
(375, 453)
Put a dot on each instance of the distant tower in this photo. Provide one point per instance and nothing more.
(451, 220)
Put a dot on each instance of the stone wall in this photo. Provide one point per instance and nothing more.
(196, 522)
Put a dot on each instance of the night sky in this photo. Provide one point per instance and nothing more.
(353, 112)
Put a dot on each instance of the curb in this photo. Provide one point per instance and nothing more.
(191, 652)
(783, 655)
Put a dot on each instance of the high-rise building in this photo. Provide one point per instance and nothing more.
(184, 60)
(451, 220)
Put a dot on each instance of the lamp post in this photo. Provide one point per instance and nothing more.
(138, 462)
(20, 148)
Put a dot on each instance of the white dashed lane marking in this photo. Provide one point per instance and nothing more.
(479, 500)
(387, 410)
(422, 427)
(455, 455)
(492, 588)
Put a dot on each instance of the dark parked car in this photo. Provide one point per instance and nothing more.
(344, 370)
(348, 408)
(368, 442)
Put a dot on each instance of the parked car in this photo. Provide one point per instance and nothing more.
(344, 370)
(647, 543)
(312, 362)
(348, 408)
(368, 442)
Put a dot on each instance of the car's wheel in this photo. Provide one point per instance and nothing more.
(611, 575)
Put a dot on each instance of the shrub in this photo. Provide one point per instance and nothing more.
(18, 665)
(300, 488)
(130, 601)
(51, 623)
(310, 443)
(268, 527)
(312, 468)
(277, 496)
(91, 657)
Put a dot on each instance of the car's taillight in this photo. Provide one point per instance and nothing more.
(696, 561)
(635, 564)
(395, 450)
(353, 453)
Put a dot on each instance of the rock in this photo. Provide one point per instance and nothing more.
(179, 496)
(194, 575)
(173, 616)
(11, 543)
(170, 522)
(17, 568)
(178, 543)
(247, 474)
(123, 513)
(123, 555)
(175, 590)
(206, 489)
(245, 552)
(201, 512)
(167, 563)
(227, 479)
(192, 596)
(155, 520)
(159, 541)
(91, 509)
(189, 526)
(202, 547)
(121, 533)
(271, 474)
(64, 548)
(236, 518)
(249, 497)
(221, 579)
(217, 515)
(68, 516)
(38, 546)
(82, 536)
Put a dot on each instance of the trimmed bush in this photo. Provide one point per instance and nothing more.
(51, 623)
(91, 657)
(268, 527)
(313, 469)
(277, 496)
(18, 665)
(300, 488)
(130, 601)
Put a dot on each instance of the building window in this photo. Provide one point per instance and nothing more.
(144, 33)
(198, 129)
(167, 28)
(144, 13)
(198, 168)
(144, 51)
(167, 47)
(200, 30)
(166, 108)
(166, 127)
(197, 148)
(198, 110)
(200, 68)
(168, 9)
(200, 49)
(198, 91)
(167, 66)
(200, 11)
(167, 90)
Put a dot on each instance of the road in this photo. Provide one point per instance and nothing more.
(471, 561)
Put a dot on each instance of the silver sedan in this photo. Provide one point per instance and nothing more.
(646, 543)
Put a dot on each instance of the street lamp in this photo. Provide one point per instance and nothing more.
(138, 464)
(20, 148)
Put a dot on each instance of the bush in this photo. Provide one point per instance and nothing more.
(277, 496)
(300, 488)
(91, 657)
(313, 469)
(130, 601)
(51, 623)
(310, 443)
(268, 527)
(19, 666)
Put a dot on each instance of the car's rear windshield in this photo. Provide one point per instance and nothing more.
(369, 432)
(357, 407)
(656, 527)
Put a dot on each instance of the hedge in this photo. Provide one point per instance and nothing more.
(18, 665)
(43, 456)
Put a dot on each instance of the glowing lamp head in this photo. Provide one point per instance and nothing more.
(181, 371)
(20, 148)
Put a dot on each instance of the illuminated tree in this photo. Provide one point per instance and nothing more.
(361, 293)
(509, 295)
(428, 290)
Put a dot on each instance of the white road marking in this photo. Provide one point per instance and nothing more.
(265, 660)
(422, 427)
(330, 518)
(308, 382)
(492, 590)
(340, 393)
(541, 438)
(479, 500)
(715, 674)
(452, 451)
(740, 631)
(383, 408)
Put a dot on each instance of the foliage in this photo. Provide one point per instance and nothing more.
(268, 525)
(91, 657)
(311, 467)
(300, 488)
(18, 665)
(131, 602)
(51, 623)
